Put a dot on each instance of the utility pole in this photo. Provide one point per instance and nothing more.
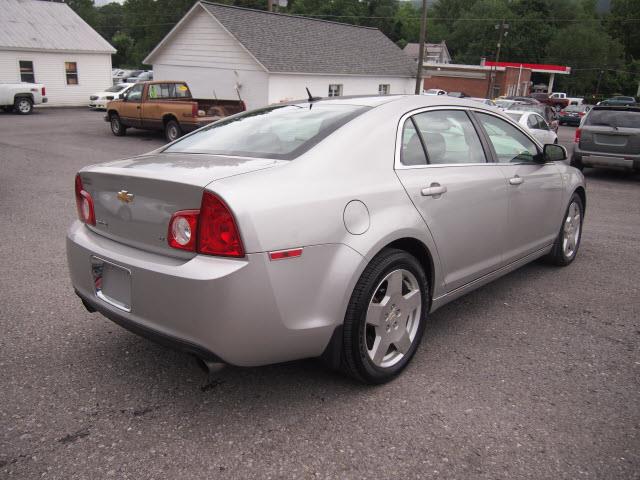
(503, 30)
(423, 34)
(270, 5)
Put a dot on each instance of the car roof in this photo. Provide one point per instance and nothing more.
(402, 101)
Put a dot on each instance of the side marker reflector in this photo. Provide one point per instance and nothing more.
(282, 254)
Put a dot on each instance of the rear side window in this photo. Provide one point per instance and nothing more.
(449, 137)
(280, 132)
(168, 90)
(614, 118)
(509, 143)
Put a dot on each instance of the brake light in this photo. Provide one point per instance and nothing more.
(562, 112)
(581, 114)
(44, 91)
(194, 109)
(218, 232)
(84, 203)
(183, 229)
(212, 230)
(576, 139)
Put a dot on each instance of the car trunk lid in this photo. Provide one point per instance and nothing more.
(135, 198)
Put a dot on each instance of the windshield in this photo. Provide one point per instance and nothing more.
(280, 132)
(614, 118)
(116, 88)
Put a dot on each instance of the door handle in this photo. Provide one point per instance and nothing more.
(434, 190)
(516, 180)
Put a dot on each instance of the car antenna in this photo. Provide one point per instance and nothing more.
(311, 97)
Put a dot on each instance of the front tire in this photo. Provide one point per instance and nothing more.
(565, 248)
(385, 318)
(117, 128)
(23, 106)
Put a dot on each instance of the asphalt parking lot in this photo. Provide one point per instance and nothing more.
(534, 376)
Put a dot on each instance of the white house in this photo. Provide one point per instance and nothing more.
(48, 43)
(224, 52)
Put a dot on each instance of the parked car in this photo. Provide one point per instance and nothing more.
(608, 137)
(537, 125)
(435, 91)
(21, 97)
(99, 100)
(572, 115)
(131, 74)
(548, 113)
(457, 94)
(618, 101)
(277, 234)
(505, 104)
(140, 77)
(166, 106)
(521, 99)
(486, 101)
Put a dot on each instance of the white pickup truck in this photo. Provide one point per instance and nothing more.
(563, 96)
(21, 97)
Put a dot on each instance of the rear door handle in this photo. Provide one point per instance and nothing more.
(434, 190)
(516, 180)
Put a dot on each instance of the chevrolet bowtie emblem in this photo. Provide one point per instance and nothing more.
(125, 197)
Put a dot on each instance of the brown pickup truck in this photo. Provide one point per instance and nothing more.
(167, 106)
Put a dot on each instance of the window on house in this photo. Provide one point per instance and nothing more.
(26, 71)
(384, 89)
(335, 90)
(71, 70)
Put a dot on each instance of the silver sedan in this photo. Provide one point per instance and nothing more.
(324, 228)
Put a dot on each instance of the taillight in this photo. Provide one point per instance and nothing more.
(576, 139)
(212, 230)
(562, 112)
(194, 109)
(44, 91)
(218, 232)
(581, 114)
(84, 203)
(183, 229)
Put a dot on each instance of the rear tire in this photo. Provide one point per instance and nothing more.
(117, 128)
(385, 318)
(565, 248)
(576, 163)
(23, 105)
(172, 131)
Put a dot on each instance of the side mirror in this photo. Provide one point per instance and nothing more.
(554, 153)
(122, 96)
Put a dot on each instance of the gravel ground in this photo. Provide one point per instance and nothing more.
(534, 376)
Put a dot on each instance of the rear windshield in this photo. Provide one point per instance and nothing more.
(117, 88)
(613, 118)
(281, 132)
(515, 116)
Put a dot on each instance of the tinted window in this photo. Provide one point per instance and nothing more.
(509, 143)
(449, 137)
(614, 118)
(281, 132)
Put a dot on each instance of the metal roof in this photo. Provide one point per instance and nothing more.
(51, 26)
(294, 44)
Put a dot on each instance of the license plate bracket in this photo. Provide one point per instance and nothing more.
(112, 283)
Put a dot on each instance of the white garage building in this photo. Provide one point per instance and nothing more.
(48, 43)
(223, 51)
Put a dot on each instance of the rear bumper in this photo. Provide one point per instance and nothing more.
(245, 312)
(599, 159)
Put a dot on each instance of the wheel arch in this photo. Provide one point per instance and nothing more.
(18, 96)
(167, 117)
(112, 112)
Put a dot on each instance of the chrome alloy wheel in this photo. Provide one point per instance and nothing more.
(571, 230)
(24, 105)
(393, 318)
(115, 124)
(172, 133)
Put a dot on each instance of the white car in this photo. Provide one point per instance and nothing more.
(537, 125)
(21, 97)
(99, 100)
(434, 91)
